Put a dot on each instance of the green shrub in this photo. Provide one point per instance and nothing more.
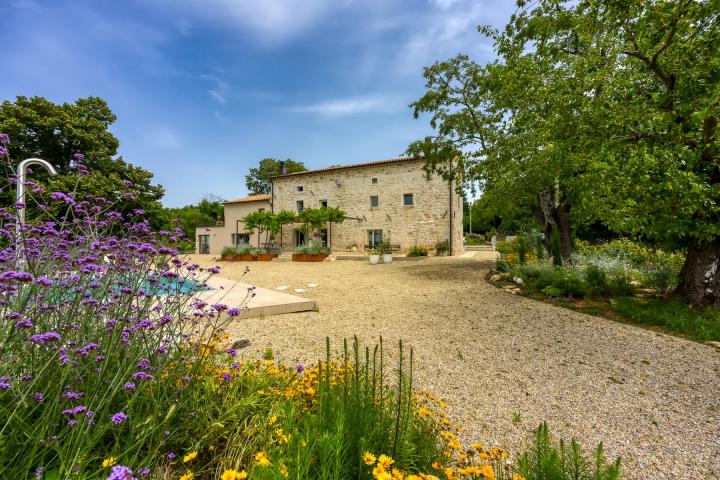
(383, 248)
(242, 249)
(547, 461)
(502, 266)
(503, 246)
(442, 248)
(418, 251)
(533, 270)
(552, 291)
(474, 239)
(568, 280)
(619, 282)
(312, 248)
(596, 280)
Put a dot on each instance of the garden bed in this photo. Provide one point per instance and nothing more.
(309, 257)
(641, 308)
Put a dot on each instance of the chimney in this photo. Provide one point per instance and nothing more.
(282, 167)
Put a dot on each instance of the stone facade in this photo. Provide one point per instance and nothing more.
(235, 211)
(426, 221)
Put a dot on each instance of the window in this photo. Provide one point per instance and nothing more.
(323, 203)
(204, 244)
(374, 238)
(408, 199)
(299, 188)
(300, 205)
(240, 238)
(374, 201)
(374, 180)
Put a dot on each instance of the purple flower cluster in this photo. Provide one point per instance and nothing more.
(120, 472)
(93, 311)
(118, 418)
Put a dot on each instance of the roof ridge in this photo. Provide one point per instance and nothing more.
(351, 165)
(250, 198)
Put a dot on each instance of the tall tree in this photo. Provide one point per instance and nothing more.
(57, 132)
(603, 111)
(646, 79)
(257, 180)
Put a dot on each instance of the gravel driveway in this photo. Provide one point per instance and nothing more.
(653, 399)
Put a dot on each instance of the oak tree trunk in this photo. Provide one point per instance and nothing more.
(555, 216)
(699, 283)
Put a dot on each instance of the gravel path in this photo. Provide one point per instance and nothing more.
(653, 399)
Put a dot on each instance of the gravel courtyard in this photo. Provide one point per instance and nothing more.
(653, 399)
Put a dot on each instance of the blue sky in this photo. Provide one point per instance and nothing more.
(203, 89)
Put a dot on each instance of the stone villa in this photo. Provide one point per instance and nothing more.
(388, 200)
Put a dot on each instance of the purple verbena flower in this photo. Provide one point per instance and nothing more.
(23, 323)
(42, 338)
(118, 418)
(120, 472)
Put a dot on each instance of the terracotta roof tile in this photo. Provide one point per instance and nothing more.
(354, 165)
(250, 198)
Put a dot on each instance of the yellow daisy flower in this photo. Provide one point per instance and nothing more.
(369, 458)
(189, 457)
(109, 462)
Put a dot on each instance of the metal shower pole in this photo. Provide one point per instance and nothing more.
(20, 197)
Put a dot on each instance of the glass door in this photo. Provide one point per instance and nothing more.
(204, 244)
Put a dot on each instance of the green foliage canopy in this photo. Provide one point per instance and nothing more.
(257, 179)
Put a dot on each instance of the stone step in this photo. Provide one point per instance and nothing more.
(479, 248)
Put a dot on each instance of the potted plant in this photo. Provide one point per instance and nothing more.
(373, 256)
(261, 254)
(311, 252)
(227, 253)
(243, 253)
(385, 250)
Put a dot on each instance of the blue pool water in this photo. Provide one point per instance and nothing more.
(175, 285)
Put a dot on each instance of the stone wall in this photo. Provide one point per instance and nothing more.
(426, 222)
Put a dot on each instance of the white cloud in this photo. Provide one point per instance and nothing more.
(220, 88)
(272, 20)
(350, 106)
(25, 5)
(443, 4)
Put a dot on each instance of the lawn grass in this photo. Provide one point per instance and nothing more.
(669, 316)
(675, 317)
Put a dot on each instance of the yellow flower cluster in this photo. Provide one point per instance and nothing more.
(234, 475)
(460, 462)
(383, 469)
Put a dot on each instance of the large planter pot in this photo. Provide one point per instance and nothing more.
(307, 257)
(387, 258)
(227, 257)
(264, 257)
(374, 259)
(243, 258)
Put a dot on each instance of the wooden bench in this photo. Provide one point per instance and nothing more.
(393, 248)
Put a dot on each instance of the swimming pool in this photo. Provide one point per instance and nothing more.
(167, 286)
